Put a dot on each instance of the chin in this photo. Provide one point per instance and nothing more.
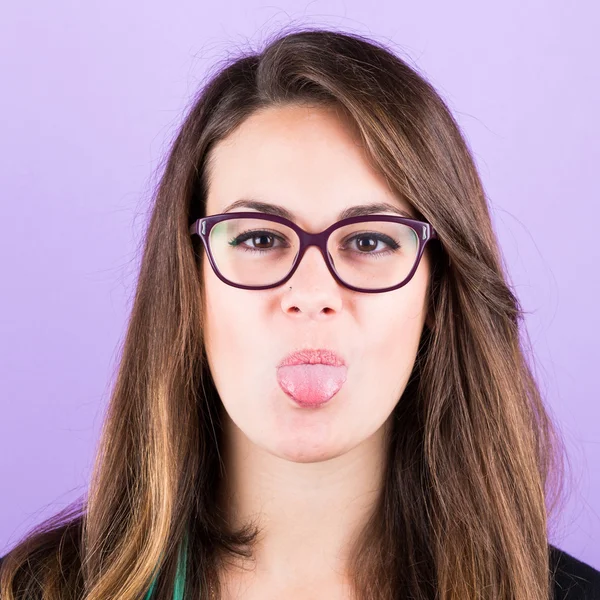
(307, 449)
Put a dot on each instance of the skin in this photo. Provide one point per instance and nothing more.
(309, 477)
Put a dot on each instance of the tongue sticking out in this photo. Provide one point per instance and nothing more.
(311, 384)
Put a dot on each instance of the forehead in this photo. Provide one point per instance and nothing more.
(309, 160)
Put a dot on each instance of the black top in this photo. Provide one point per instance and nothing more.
(573, 579)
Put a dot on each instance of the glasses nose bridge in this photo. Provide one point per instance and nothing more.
(319, 240)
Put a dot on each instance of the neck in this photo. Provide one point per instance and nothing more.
(309, 514)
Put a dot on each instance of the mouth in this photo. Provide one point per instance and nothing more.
(311, 377)
(320, 356)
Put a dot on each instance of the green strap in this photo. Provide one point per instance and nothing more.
(151, 590)
(179, 586)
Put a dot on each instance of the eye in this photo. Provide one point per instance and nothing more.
(253, 235)
(373, 238)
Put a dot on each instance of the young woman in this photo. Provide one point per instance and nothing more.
(323, 391)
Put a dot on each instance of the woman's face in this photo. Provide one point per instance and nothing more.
(308, 161)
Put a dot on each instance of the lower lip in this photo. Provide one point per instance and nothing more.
(311, 385)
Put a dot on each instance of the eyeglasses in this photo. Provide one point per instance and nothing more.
(258, 251)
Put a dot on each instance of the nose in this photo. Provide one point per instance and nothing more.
(313, 266)
(312, 289)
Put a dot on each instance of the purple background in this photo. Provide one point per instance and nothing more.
(93, 92)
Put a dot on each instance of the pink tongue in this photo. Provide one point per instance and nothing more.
(311, 384)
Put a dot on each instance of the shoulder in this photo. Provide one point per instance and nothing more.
(573, 579)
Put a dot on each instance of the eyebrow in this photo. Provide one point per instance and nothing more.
(353, 211)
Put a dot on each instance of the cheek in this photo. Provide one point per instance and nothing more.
(394, 330)
(222, 325)
(234, 336)
(221, 332)
(397, 336)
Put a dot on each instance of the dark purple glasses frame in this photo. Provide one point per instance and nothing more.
(202, 227)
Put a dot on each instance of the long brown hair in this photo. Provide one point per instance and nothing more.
(475, 464)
